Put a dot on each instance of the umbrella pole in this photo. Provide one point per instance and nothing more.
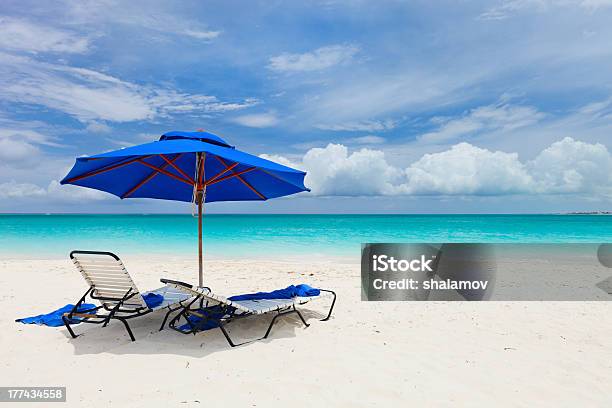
(200, 194)
(201, 272)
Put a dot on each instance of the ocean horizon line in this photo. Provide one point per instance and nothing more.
(331, 214)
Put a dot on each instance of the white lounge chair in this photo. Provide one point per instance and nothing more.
(111, 286)
(216, 311)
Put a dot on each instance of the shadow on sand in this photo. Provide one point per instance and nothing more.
(149, 340)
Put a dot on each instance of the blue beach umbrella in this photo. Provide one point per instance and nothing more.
(197, 167)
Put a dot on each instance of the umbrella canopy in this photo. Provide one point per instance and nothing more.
(186, 166)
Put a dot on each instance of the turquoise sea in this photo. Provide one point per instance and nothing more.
(269, 235)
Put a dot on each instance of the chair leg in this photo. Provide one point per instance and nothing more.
(67, 324)
(174, 320)
(183, 313)
(74, 310)
(127, 327)
(227, 337)
(331, 308)
(170, 310)
(271, 324)
(177, 318)
(301, 317)
(294, 310)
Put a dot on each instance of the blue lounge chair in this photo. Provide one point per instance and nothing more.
(207, 310)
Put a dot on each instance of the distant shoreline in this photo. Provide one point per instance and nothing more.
(588, 213)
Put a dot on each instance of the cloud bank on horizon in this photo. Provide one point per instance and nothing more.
(499, 106)
(565, 167)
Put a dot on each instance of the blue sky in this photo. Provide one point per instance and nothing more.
(463, 106)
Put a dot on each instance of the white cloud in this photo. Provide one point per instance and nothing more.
(92, 96)
(595, 4)
(502, 118)
(597, 110)
(53, 192)
(565, 167)
(166, 102)
(28, 135)
(571, 166)
(69, 193)
(257, 120)
(376, 93)
(201, 35)
(16, 150)
(319, 59)
(20, 146)
(157, 17)
(333, 171)
(279, 159)
(123, 143)
(85, 94)
(359, 126)
(22, 35)
(13, 190)
(369, 139)
(507, 8)
(467, 170)
(98, 127)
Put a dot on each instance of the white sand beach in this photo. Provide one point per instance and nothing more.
(534, 354)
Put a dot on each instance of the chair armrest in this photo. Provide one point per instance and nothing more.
(175, 282)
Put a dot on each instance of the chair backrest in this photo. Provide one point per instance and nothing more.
(205, 293)
(105, 272)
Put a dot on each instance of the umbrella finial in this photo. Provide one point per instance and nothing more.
(200, 130)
